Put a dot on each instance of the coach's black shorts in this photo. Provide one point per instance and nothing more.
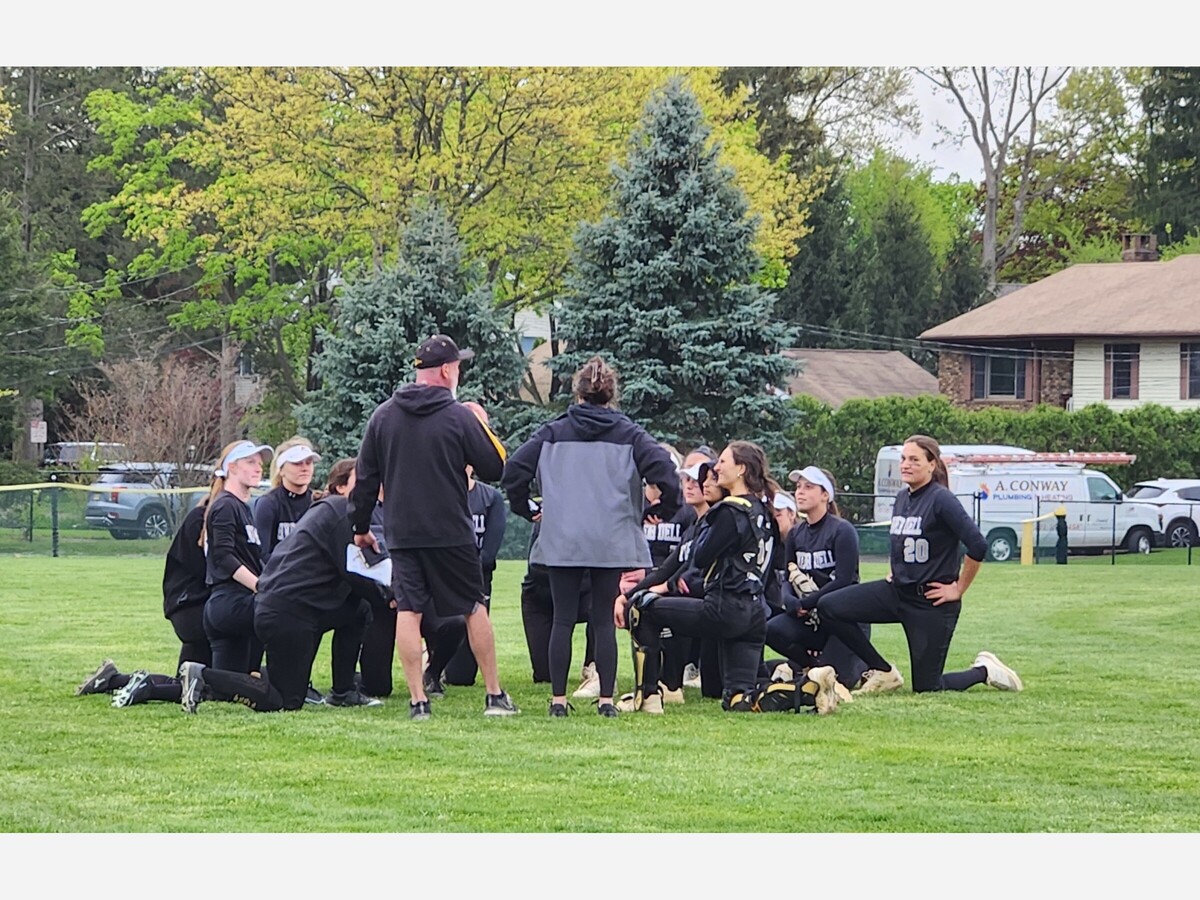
(444, 580)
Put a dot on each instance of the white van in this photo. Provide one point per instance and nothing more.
(1006, 491)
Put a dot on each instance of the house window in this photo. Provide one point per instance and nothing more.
(997, 377)
(1121, 371)
(1189, 371)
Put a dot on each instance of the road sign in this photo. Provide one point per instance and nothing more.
(37, 431)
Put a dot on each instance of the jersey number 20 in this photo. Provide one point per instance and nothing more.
(916, 550)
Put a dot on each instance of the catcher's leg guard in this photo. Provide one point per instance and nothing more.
(640, 653)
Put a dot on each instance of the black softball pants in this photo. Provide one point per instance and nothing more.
(927, 628)
(736, 622)
(188, 623)
(567, 594)
(229, 624)
(377, 652)
(797, 640)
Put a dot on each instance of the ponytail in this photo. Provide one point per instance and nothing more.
(218, 485)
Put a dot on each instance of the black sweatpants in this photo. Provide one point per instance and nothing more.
(928, 629)
(229, 624)
(794, 638)
(377, 652)
(188, 623)
(736, 622)
(566, 591)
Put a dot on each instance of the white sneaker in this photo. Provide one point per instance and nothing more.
(877, 681)
(825, 678)
(652, 704)
(843, 694)
(691, 676)
(590, 687)
(999, 675)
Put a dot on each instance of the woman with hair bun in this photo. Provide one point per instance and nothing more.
(924, 589)
(590, 464)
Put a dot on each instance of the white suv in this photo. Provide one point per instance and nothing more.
(1179, 501)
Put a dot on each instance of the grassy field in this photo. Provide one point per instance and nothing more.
(1106, 736)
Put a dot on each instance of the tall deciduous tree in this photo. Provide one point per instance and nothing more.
(663, 287)
(1004, 110)
(432, 288)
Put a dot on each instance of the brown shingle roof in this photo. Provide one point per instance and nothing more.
(835, 376)
(1126, 299)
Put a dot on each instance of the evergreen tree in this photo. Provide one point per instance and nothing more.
(1170, 165)
(661, 287)
(381, 321)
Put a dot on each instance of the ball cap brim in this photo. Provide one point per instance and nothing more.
(440, 350)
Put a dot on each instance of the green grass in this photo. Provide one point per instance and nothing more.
(1106, 736)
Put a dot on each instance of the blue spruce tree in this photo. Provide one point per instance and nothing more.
(381, 320)
(662, 287)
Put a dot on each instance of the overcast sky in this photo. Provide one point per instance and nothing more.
(929, 146)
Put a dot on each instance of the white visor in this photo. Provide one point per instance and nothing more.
(813, 474)
(297, 454)
(783, 501)
(693, 472)
(242, 451)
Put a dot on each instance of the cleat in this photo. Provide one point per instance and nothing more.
(691, 676)
(826, 699)
(877, 681)
(313, 696)
(607, 710)
(652, 703)
(351, 698)
(560, 710)
(590, 685)
(843, 694)
(419, 711)
(433, 686)
(670, 696)
(499, 705)
(97, 682)
(999, 675)
(192, 676)
(135, 691)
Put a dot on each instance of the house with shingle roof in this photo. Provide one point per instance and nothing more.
(835, 376)
(1121, 334)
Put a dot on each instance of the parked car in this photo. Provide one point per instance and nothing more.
(120, 501)
(77, 454)
(1178, 499)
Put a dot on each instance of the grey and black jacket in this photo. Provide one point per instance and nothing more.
(590, 463)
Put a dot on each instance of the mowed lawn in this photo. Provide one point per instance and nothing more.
(1106, 736)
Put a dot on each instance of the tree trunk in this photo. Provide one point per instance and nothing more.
(31, 108)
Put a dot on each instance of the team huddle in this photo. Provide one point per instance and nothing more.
(722, 578)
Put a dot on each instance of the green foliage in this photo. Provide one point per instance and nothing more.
(383, 318)
(662, 288)
(18, 473)
(846, 440)
(1189, 244)
(1169, 189)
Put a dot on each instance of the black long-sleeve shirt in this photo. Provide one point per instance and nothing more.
(276, 514)
(737, 546)
(678, 566)
(232, 539)
(826, 551)
(664, 536)
(927, 526)
(185, 573)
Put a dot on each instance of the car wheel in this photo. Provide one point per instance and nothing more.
(1139, 540)
(153, 524)
(1181, 533)
(1002, 545)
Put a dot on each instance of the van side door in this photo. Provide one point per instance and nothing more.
(1100, 512)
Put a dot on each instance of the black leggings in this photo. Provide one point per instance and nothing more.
(537, 618)
(566, 591)
(928, 629)
(796, 639)
(736, 622)
(188, 623)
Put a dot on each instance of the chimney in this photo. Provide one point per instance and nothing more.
(1139, 247)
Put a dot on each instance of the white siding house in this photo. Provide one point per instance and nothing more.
(1158, 375)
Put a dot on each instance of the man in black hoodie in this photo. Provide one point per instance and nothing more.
(417, 444)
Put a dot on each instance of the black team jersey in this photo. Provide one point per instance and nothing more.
(678, 566)
(664, 536)
(232, 539)
(826, 551)
(486, 505)
(276, 514)
(927, 526)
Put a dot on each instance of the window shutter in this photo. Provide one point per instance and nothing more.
(1183, 372)
(1134, 357)
(978, 377)
(1108, 366)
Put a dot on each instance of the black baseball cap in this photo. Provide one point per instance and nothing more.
(439, 350)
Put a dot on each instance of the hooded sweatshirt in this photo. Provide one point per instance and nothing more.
(590, 463)
(418, 444)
